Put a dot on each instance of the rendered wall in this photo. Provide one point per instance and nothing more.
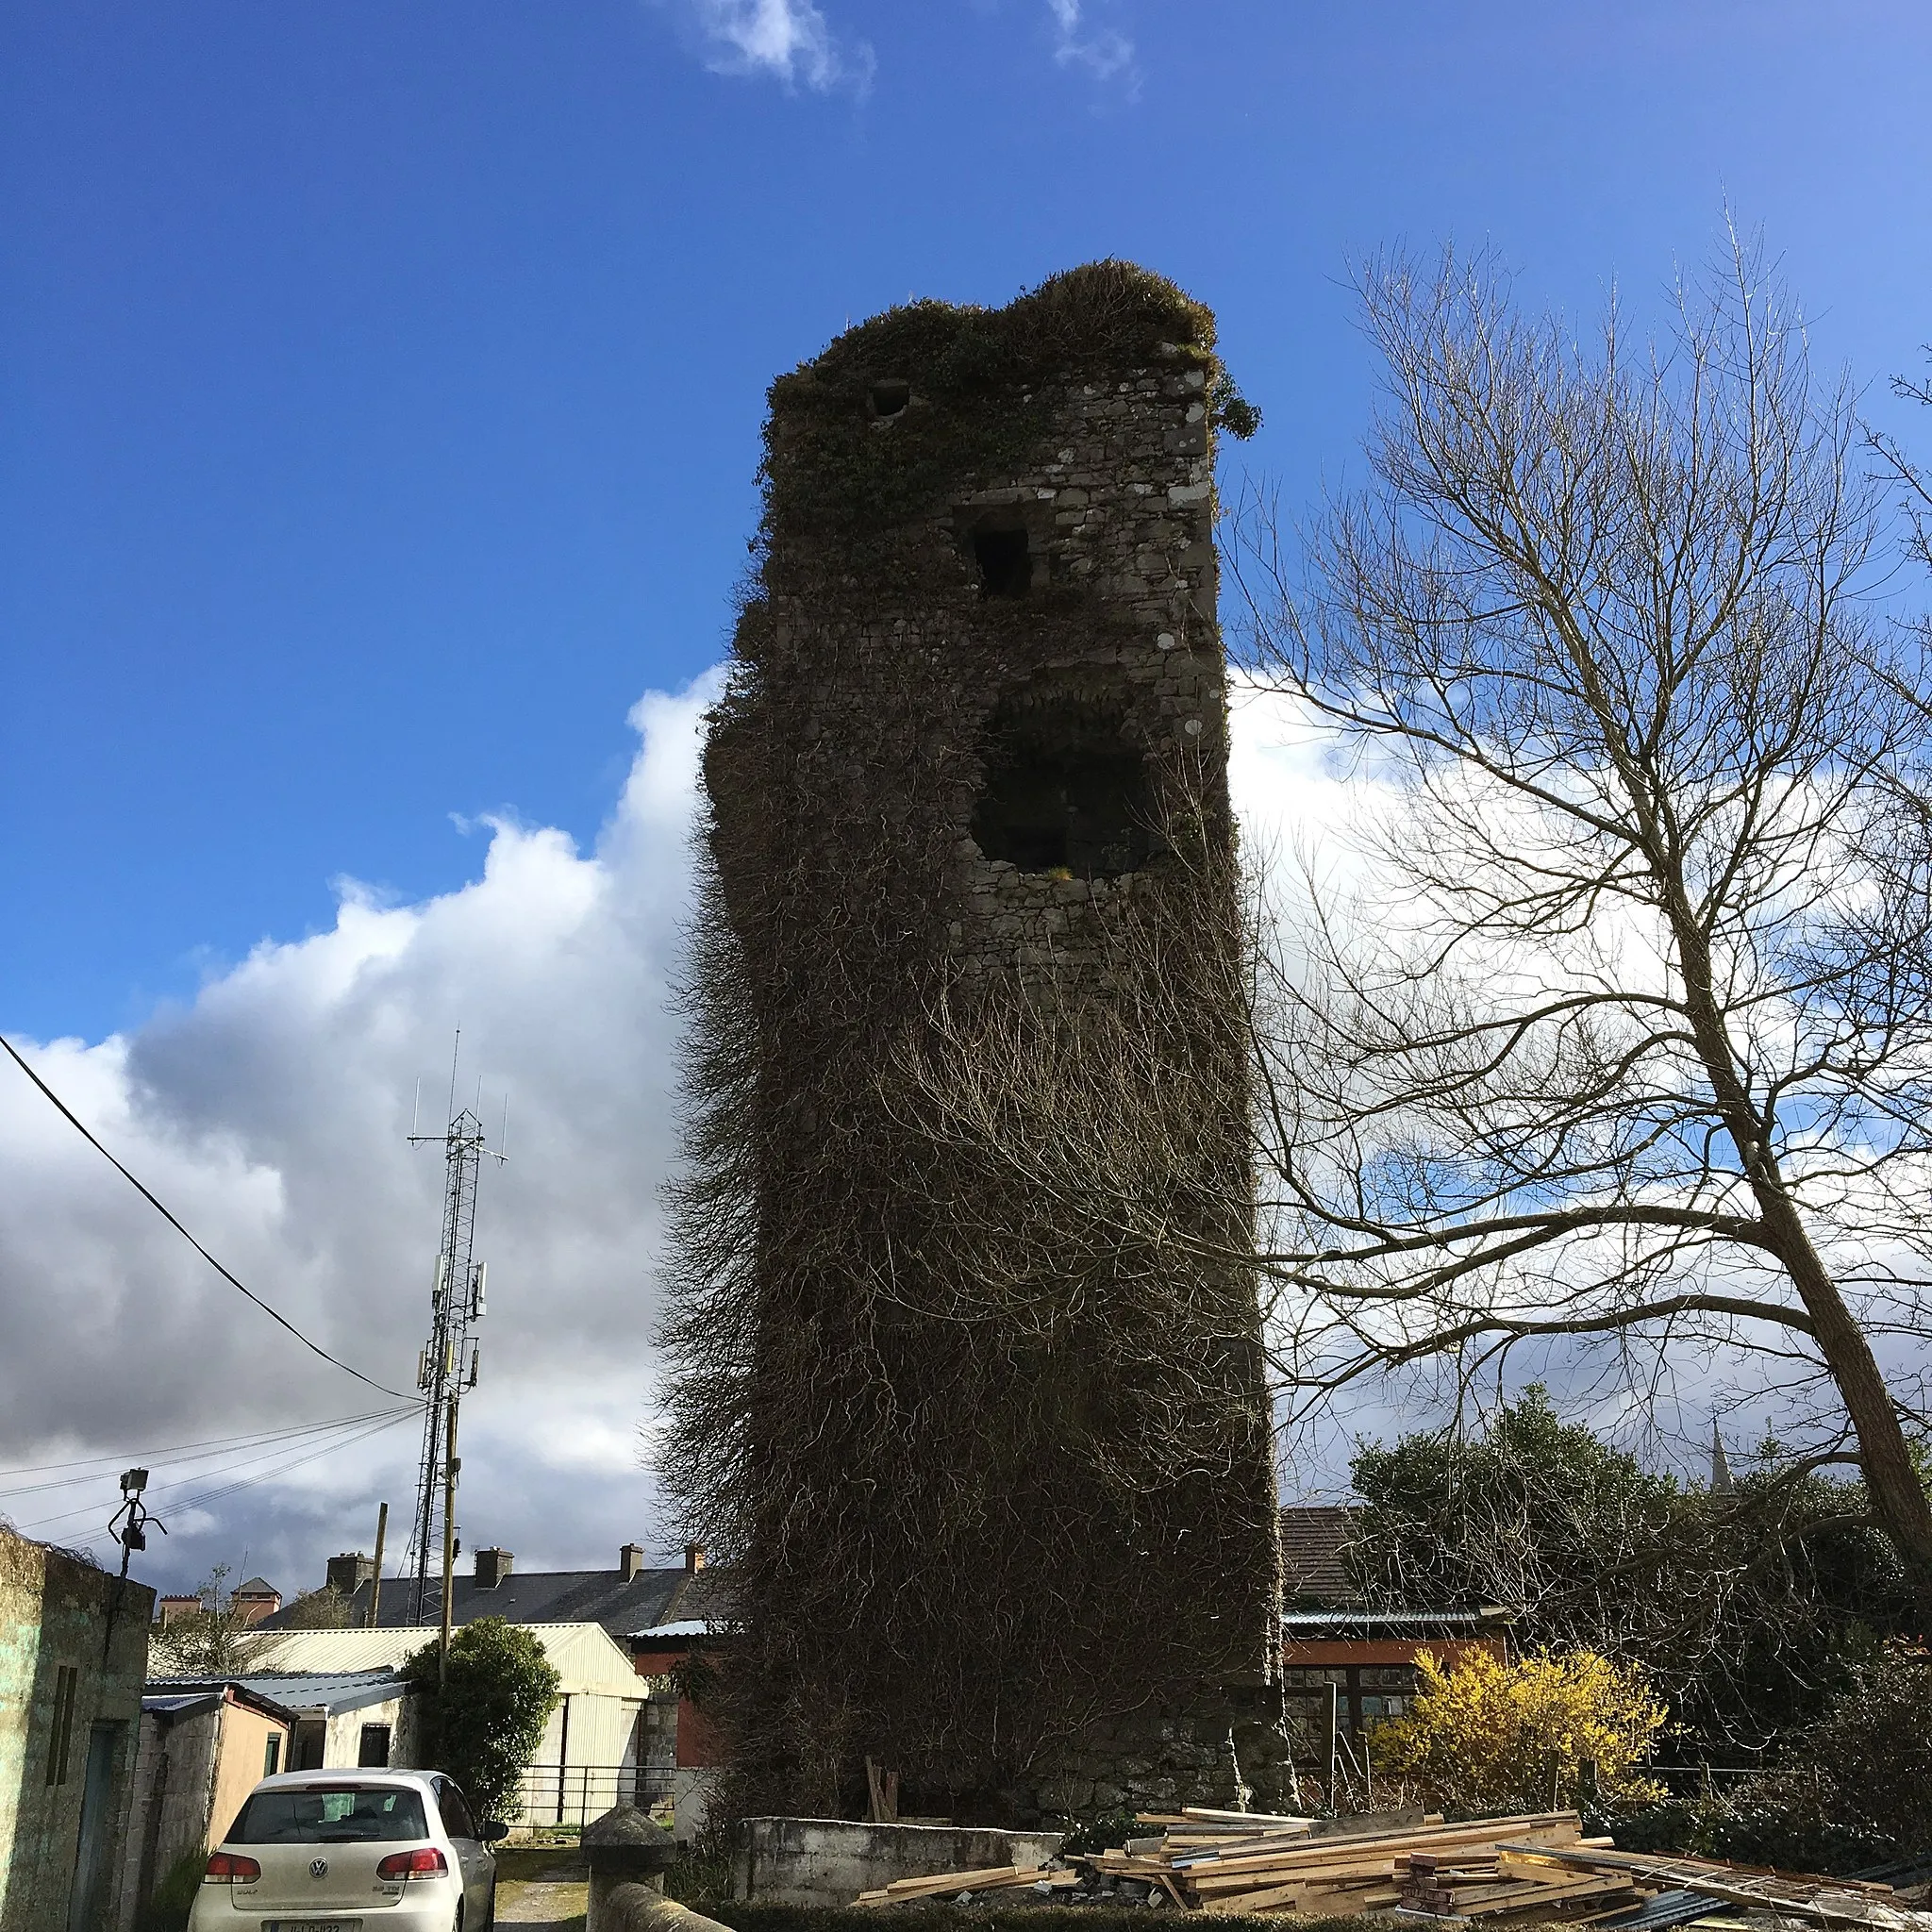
(997, 1478)
(828, 1861)
(58, 1612)
(343, 1733)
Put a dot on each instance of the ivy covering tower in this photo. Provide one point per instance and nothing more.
(994, 1478)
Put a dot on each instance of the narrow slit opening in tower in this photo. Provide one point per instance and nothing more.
(1062, 795)
(1005, 564)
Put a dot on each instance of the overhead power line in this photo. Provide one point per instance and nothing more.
(154, 1201)
(178, 1495)
(49, 1475)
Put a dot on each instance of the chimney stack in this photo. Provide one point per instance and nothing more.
(630, 1561)
(347, 1573)
(693, 1558)
(493, 1566)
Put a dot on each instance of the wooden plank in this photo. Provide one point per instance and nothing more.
(1565, 1829)
(1845, 1902)
(1277, 1898)
(1530, 1891)
(950, 1881)
(1346, 1904)
(1252, 1821)
(1210, 1887)
(1425, 1836)
(1599, 1851)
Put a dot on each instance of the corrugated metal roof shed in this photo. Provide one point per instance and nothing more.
(332, 1691)
(583, 1654)
(173, 1696)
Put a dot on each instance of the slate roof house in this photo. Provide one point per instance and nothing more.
(645, 1609)
(1336, 1646)
(256, 1599)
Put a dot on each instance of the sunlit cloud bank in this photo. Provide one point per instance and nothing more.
(272, 1116)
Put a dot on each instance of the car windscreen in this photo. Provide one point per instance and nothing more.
(359, 1814)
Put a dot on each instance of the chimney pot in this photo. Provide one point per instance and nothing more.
(693, 1558)
(493, 1566)
(630, 1561)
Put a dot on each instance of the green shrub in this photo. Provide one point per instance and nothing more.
(1758, 1824)
(483, 1725)
(1102, 1834)
(1852, 1792)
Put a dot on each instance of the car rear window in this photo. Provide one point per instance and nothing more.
(349, 1814)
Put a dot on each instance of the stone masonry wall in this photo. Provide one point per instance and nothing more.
(970, 784)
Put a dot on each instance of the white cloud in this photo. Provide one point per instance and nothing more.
(271, 1115)
(1104, 53)
(789, 40)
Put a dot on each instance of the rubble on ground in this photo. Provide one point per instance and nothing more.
(1514, 1871)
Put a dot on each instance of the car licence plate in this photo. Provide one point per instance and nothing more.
(311, 1925)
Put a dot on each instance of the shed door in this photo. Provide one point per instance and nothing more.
(96, 1822)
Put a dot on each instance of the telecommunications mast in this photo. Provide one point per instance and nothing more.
(451, 1358)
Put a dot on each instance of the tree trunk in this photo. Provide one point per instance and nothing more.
(1897, 1496)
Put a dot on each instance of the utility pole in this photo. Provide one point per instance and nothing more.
(450, 1469)
(451, 1359)
(368, 1622)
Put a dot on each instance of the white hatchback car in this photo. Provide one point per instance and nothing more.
(351, 1851)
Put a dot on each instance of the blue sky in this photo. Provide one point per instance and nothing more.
(379, 398)
(379, 384)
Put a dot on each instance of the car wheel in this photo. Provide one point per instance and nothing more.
(489, 1923)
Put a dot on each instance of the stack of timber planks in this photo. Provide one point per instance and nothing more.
(1834, 1902)
(1223, 1864)
(950, 1884)
(1518, 1871)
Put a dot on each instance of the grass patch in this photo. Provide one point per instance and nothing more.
(520, 1864)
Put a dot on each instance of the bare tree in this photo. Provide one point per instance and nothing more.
(1914, 479)
(1628, 1042)
(217, 1640)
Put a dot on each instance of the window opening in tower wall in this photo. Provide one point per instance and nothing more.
(1006, 564)
(1062, 795)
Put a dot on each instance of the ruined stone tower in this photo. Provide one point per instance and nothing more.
(969, 1381)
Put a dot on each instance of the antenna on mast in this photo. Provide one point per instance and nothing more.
(451, 1358)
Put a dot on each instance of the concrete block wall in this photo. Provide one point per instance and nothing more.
(829, 1861)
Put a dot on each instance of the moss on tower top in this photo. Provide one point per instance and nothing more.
(898, 414)
(1102, 316)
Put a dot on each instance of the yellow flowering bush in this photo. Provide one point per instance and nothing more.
(1482, 1735)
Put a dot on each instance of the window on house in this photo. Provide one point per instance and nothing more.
(373, 1754)
(1064, 793)
(272, 1755)
(1005, 564)
(66, 1688)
